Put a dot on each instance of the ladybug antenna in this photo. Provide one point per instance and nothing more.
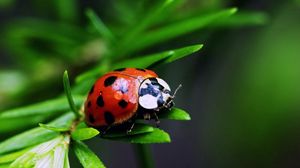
(169, 103)
(179, 86)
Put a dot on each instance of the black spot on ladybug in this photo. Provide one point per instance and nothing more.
(91, 118)
(92, 89)
(109, 81)
(123, 103)
(109, 118)
(89, 104)
(140, 69)
(120, 69)
(100, 101)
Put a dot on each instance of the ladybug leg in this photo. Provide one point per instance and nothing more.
(156, 119)
(130, 128)
(147, 116)
(105, 130)
(130, 124)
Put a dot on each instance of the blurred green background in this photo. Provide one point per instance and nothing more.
(242, 90)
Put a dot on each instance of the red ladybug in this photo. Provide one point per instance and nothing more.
(121, 95)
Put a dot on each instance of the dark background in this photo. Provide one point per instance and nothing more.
(242, 90)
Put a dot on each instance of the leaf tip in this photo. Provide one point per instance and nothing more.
(168, 139)
(198, 47)
(65, 76)
(88, 11)
(84, 133)
(66, 72)
(188, 117)
(233, 10)
(167, 2)
(171, 52)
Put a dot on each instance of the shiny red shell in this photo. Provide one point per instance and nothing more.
(114, 97)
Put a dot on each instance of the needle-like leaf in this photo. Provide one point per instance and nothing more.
(175, 114)
(54, 128)
(143, 61)
(23, 117)
(47, 107)
(156, 136)
(137, 129)
(12, 156)
(176, 29)
(84, 133)
(101, 28)
(35, 136)
(68, 93)
(87, 158)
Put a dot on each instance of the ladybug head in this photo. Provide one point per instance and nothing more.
(155, 94)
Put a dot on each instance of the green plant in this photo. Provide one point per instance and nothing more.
(113, 49)
(71, 126)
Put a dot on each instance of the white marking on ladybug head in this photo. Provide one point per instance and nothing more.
(154, 93)
(148, 101)
(164, 84)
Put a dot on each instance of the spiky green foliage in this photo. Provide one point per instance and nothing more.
(109, 48)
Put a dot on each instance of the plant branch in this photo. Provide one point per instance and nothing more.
(144, 156)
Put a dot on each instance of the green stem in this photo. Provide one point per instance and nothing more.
(144, 156)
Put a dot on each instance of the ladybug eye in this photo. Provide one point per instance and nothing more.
(166, 91)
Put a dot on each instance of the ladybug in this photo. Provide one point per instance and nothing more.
(124, 94)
